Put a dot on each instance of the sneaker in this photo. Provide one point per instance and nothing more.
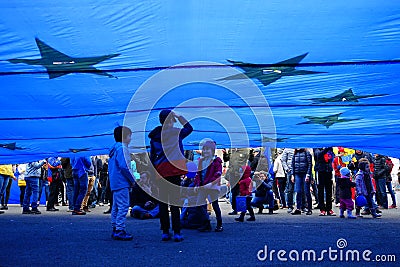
(122, 235)
(331, 213)
(166, 237)
(251, 219)
(107, 211)
(26, 212)
(219, 228)
(178, 237)
(1, 212)
(35, 211)
(101, 204)
(304, 210)
(366, 212)
(376, 215)
(378, 211)
(78, 212)
(92, 206)
(322, 213)
(342, 217)
(351, 217)
(309, 212)
(296, 212)
(392, 207)
(239, 219)
(233, 213)
(289, 210)
(52, 209)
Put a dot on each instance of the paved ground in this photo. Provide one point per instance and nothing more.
(60, 239)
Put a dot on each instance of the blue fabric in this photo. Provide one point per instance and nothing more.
(69, 70)
(80, 165)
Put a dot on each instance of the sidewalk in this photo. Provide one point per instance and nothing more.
(60, 239)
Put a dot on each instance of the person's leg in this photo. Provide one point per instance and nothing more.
(83, 184)
(289, 192)
(321, 192)
(87, 193)
(70, 193)
(308, 196)
(121, 199)
(7, 197)
(298, 184)
(28, 193)
(328, 191)
(270, 201)
(21, 195)
(53, 195)
(35, 193)
(3, 186)
(381, 186)
(234, 193)
(249, 209)
(282, 186)
(175, 212)
(392, 194)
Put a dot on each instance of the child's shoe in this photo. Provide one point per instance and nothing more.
(219, 228)
(166, 237)
(122, 235)
(178, 237)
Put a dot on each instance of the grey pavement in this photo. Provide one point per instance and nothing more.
(60, 239)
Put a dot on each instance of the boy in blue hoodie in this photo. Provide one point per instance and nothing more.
(121, 180)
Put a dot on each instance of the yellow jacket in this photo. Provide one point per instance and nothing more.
(7, 170)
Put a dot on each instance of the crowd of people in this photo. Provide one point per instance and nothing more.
(160, 184)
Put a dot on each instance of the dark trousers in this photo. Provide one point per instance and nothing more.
(165, 194)
(248, 207)
(325, 191)
(55, 186)
(234, 194)
(21, 194)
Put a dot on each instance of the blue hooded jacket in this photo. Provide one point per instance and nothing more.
(119, 171)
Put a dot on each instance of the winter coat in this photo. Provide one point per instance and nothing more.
(380, 167)
(166, 153)
(33, 169)
(345, 184)
(262, 187)
(213, 173)
(302, 162)
(323, 159)
(361, 187)
(120, 175)
(278, 167)
(287, 157)
(7, 170)
(245, 182)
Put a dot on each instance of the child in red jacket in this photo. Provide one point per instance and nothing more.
(245, 188)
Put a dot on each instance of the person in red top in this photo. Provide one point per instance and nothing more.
(207, 184)
(337, 164)
(245, 189)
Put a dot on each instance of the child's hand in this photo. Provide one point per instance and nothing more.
(292, 179)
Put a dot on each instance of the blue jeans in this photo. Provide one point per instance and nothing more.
(390, 188)
(300, 187)
(70, 193)
(381, 190)
(258, 202)
(3, 184)
(120, 208)
(80, 188)
(32, 189)
(45, 184)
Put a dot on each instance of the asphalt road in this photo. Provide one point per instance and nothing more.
(60, 239)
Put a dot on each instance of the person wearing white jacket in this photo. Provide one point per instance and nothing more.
(281, 177)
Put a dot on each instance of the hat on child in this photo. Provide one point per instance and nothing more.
(344, 171)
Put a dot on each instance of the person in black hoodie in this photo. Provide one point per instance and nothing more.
(323, 168)
(380, 173)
